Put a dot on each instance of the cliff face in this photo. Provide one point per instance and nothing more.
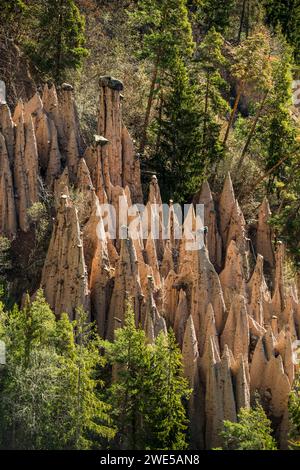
(236, 336)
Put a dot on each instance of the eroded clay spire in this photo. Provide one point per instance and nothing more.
(264, 235)
(8, 223)
(64, 277)
(226, 204)
(214, 240)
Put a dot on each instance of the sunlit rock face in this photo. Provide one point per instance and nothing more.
(235, 332)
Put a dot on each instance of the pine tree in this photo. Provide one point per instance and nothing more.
(252, 431)
(58, 45)
(49, 391)
(166, 35)
(286, 14)
(147, 390)
(251, 67)
(187, 129)
(294, 415)
(168, 421)
(217, 14)
(282, 132)
(282, 176)
(92, 422)
(274, 133)
(177, 158)
(211, 86)
(129, 356)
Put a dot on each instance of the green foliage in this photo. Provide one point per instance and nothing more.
(177, 158)
(187, 128)
(287, 16)
(129, 356)
(281, 128)
(11, 14)
(217, 14)
(281, 142)
(28, 251)
(251, 61)
(209, 67)
(147, 390)
(49, 391)
(9, 10)
(166, 413)
(252, 431)
(58, 45)
(5, 265)
(294, 415)
(165, 31)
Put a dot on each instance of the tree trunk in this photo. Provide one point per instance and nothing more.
(234, 109)
(59, 43)
(252, 130)
(205, 110)
(248, 19)
(79, 397)
(161, 101)
(269, 172)
(242, 21)
(148, 109)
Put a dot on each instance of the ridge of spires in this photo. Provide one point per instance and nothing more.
(235, 337)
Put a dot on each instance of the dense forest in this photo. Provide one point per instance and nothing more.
(210, 87)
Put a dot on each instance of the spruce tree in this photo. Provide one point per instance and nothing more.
(281, 149)
(147, 390)
(50, 395)
(252, 431)
(177, 157)
(58, 45)
(251, 67)
(87, 424)
(294, 414)
(273, 130)
(129, 356)
(217, 14)
(286, 14)
(186, 128)
(165, 35)
(167, 413)
(211, 65)
(281, 128)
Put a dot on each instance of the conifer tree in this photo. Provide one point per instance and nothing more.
(147, 390)
(177, 158)
(168, 421)
(251, 66)
(286, 14)
(187, 128)
(252, 431)
(59, 42)
(129, 356)
(211, 86)
(281, 129)
(87, 424)
(294, 414)
(217, 14)
(166, 35)
(49, 391)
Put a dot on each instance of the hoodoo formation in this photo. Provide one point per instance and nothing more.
(235, 329)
